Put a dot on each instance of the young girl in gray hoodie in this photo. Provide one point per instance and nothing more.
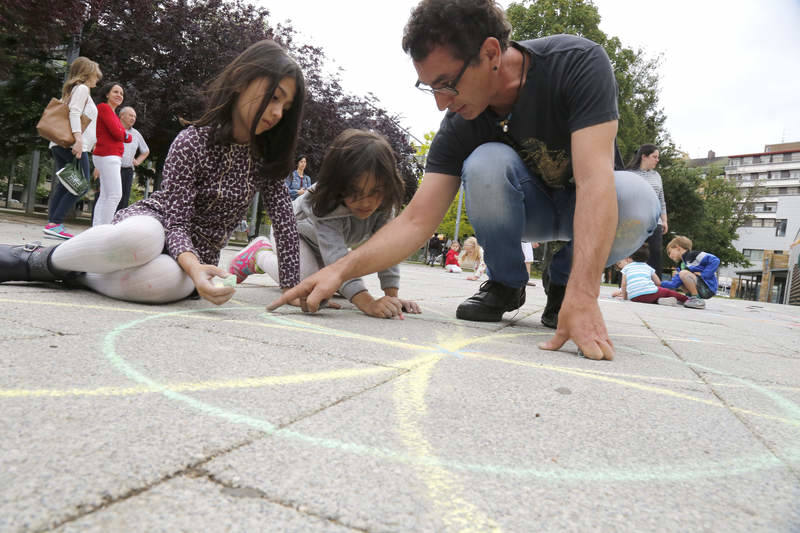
(358, 191)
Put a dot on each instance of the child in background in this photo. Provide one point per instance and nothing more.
(472, 257)
(640, 282)
(357, 193)
(451, 261)
(697, 272)
(166, 247)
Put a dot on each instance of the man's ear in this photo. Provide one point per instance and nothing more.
(491, 50)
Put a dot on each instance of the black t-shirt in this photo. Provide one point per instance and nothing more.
(570, 85)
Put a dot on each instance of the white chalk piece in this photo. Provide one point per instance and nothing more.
(230, 281)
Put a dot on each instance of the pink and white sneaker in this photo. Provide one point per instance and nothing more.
(244, 264)
(56, 230)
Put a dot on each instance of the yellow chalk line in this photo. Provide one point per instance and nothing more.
(444, 487)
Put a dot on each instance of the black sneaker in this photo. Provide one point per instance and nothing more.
(490, 302)
(555, 297)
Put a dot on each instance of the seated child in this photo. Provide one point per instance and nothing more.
(697, 272)
(472, 257)
(640, 282)
(451, 262)
(357, 192)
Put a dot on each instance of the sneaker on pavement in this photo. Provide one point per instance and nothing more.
(57, 231)
(490, 302)
(695, 302)
(244, 264)
(668, 300)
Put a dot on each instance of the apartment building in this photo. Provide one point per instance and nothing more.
(776, 211)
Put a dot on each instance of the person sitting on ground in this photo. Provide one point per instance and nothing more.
(696, 273)
(358, 191)
(167, 247)
(451, 261)
(472, 257)
(640, 283)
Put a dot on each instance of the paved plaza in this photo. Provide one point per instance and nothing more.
(189, 417)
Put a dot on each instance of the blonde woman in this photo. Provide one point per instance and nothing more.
(472, 257)
(83, 76)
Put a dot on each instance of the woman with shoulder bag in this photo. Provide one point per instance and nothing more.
(83, 76)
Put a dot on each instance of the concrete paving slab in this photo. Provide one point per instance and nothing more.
(125, 417)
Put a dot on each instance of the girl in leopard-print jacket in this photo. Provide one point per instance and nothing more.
(164, 248)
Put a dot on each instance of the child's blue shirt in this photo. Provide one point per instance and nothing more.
(703, 262)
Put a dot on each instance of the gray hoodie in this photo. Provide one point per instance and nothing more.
(331, 235)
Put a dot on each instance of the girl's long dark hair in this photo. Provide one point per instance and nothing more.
(264, 59)
(644, 150)
(352, 154)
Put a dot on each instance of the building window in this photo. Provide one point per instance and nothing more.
(747, 160)
(757, 222)
(780, 227)
(782, 190)
(753, 255)
(756, 159)
(787, 157)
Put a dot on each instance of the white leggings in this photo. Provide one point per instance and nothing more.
(124, 261)
(453, 268)
(109, 167)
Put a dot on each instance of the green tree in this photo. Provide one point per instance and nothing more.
(641, 118)
(707, 208)
(448, 224)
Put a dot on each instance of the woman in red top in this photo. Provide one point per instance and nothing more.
(107, 155)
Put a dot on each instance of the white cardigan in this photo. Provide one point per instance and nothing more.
(80, 102)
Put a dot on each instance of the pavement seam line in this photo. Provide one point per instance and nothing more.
(733, 410)
(262, 495)
(136, 491)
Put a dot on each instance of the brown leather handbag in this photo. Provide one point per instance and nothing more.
(54, 124)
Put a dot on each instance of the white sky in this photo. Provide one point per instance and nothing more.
(730, 76)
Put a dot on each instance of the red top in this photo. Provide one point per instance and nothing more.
(452, 258)
(110, 132)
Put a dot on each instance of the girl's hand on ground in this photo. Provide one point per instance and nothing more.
(410, 307)
(385, 307)
(472, 278)
(201, 276)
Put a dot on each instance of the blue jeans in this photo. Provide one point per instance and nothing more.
(61, 200)
(507, 204)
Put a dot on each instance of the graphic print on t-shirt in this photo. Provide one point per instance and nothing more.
(554, 166)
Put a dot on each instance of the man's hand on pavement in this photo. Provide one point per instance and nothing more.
(580, 320)
(312, 291)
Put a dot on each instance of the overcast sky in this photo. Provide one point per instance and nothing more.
(729, 77)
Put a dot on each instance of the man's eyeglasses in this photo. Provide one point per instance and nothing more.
(448, 89)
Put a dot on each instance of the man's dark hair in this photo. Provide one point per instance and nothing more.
(352, 154)
(642, 254)
(461, 25)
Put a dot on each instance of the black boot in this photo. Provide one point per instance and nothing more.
(29, 262)
(555, 296)
(490, 302)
